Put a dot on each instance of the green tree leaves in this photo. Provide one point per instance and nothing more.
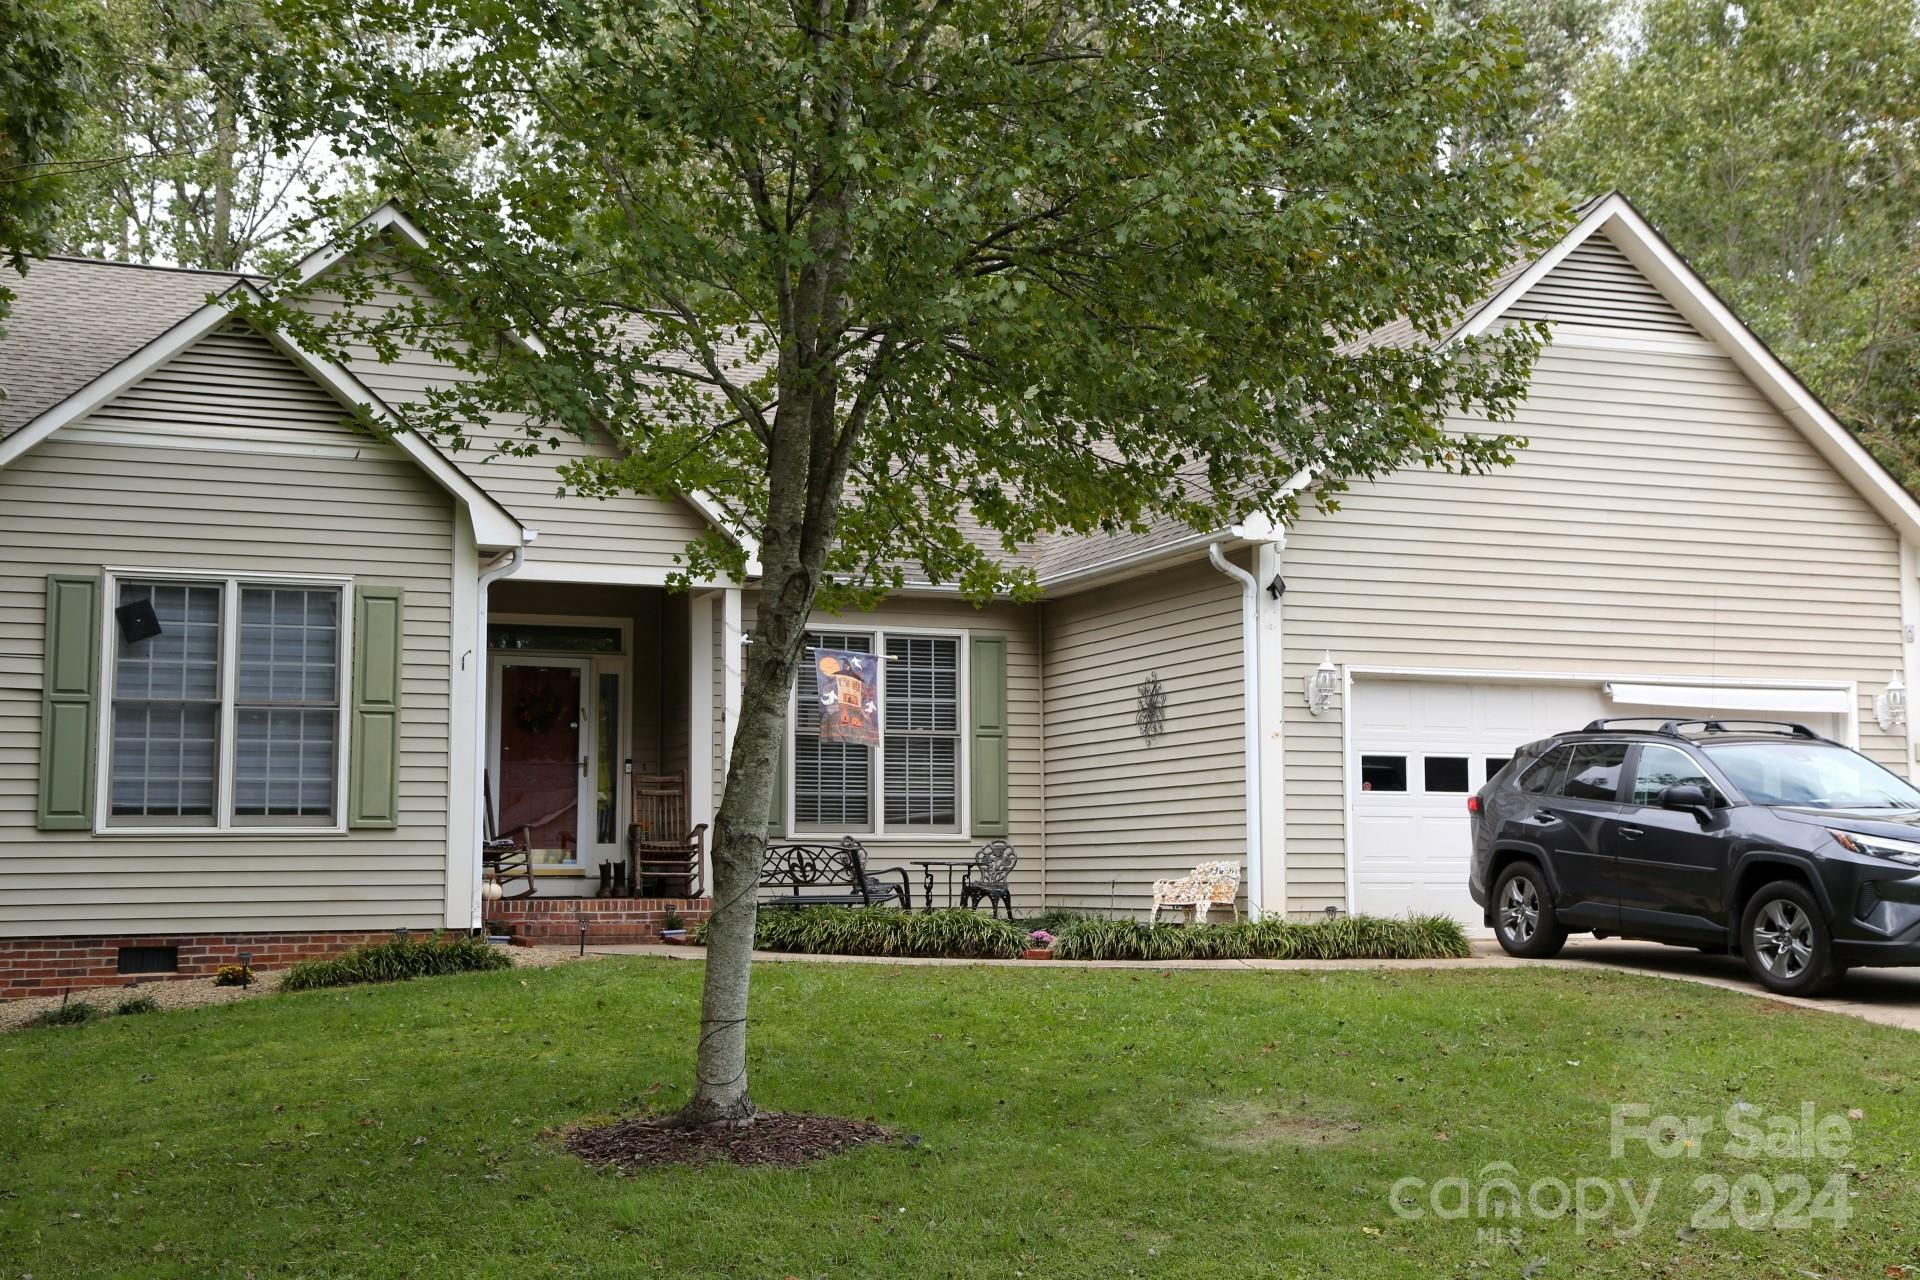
(1775, 143)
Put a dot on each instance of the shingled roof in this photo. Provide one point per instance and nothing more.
(75, 318)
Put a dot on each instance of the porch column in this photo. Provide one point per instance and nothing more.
(700, 663)
(1270, 652)
(733, 673)
(467, 658)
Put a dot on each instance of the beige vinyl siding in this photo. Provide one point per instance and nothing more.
(1596, 284)
(629, 530)
(249, 468)
(1664, 519)
(1017, 624)
(1123, 811)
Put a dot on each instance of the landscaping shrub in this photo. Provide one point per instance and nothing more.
(969, 935)
(883, 931)
(136, 1004)
(68, 1013)
(233, 975)
(396, 961)
(1341, 938)
(1053, 921)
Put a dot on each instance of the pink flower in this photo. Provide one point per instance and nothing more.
(1041, 938)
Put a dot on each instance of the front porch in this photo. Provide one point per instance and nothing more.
(588, 687)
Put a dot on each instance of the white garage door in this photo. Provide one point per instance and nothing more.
(1420, 747)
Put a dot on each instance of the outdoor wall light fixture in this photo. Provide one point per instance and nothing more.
(1322, 685)
(1890, 708)
(1278, 587)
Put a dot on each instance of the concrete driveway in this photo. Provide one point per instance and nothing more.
(1890, 997)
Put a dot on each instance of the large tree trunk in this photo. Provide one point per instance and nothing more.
(798, 530)
(720, 1069)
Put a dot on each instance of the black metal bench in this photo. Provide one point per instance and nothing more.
(835, 875)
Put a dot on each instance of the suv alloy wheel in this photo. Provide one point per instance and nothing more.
(1523, 917)
(1787, 944)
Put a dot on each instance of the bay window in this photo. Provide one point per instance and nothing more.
(916, 771)
(226, 707)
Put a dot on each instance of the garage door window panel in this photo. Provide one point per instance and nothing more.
(1383, 773)
(1445, 775)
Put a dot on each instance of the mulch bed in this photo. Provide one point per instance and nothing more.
(780, 1138)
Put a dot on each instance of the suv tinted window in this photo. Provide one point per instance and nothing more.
(1542, 776)
(1663, 767)
(1594, 772)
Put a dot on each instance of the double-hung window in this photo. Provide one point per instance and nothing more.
(226, 707)
(915, 774)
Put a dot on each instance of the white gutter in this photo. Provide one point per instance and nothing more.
(505, 568)
(1250, 695)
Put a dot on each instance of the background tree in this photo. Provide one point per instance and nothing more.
(42, 91)
(1557, 40)
(180, 165)
(1775, 143)
(861, 267)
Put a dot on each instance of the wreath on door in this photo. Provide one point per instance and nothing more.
(538, 708)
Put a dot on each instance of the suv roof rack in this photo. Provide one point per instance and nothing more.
(1788, 728)
(1602, 726)
(1718, 724)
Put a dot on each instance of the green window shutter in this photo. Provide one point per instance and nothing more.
(69, 690)
(989, 734)
(373, 767)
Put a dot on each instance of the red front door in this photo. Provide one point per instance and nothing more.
(542, 759)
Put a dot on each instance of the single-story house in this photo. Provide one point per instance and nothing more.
(265, 680)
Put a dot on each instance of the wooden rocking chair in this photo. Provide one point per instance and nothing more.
(508, 858)
(662, 842)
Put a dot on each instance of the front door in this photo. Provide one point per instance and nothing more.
(541, 755)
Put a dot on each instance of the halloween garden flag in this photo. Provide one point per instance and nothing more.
(849, 696)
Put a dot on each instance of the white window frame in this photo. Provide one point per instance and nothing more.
(877, 829)
(230, 581)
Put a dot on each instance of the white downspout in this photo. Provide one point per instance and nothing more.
(1250, 695)
(504, 568)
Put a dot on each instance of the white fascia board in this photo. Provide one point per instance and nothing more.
(1617, 219)
(716, 515)
(493, 527)
(386, 218)
(1500, 302)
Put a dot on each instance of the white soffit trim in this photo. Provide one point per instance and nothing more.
(493, 525)
(1620, 222)
(618, 574)
(1731, 698)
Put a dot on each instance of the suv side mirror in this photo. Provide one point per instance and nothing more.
(1687, 798)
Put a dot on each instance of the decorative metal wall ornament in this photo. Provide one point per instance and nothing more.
(1150, 707)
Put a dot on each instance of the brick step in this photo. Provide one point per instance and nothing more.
(556, 921)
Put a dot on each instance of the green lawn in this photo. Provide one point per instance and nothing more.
(1071, 1123)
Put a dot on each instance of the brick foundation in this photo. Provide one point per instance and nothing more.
(49, 966)
(557, 920)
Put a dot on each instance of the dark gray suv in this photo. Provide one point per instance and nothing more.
(1758, 837)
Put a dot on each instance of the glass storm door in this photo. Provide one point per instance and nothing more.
(543, 729)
